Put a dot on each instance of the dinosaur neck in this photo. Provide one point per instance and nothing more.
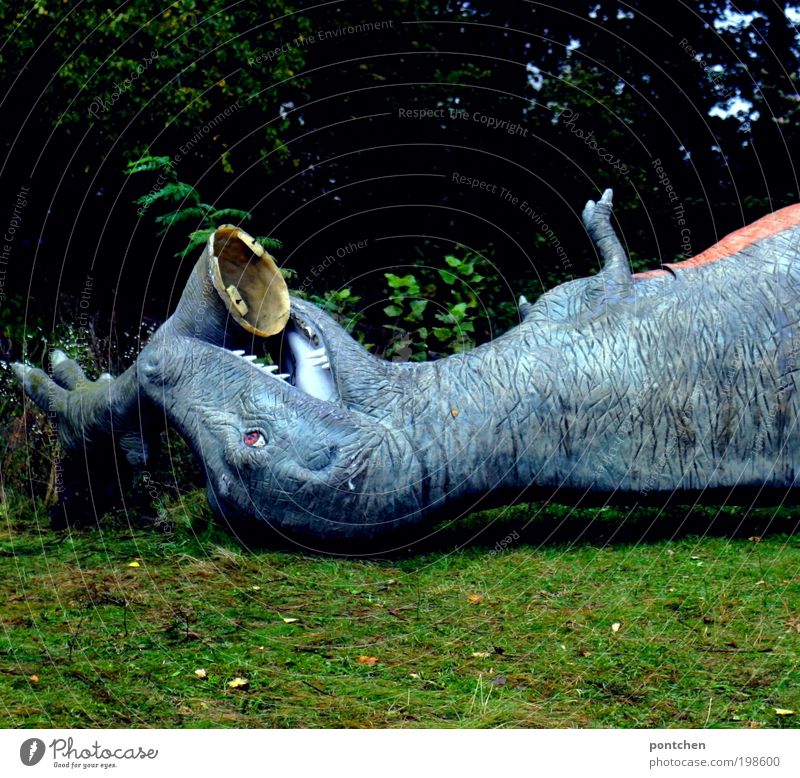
(200, 313)
(477, 420)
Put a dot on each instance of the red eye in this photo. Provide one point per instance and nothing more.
(255, 439)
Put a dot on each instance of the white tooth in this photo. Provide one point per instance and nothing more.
(317, 353)
(269, 368)
(239, 352)
(250, 358)
(326, 365)
(284, 376)
(319, 360)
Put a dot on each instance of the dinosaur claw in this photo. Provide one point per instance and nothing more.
(21, 370)
(588, 212)
(608, 197)
(57, 356)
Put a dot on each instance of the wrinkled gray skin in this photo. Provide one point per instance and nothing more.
(682, 380)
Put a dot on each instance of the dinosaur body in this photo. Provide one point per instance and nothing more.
(678, 380)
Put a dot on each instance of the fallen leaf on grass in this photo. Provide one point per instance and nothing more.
(34, 679)
(289, 620)
(367, 660)
(256, 588)
(134, 564)
(784, 711)
(238, 683)
(200, 673)
(474, 598)
(584, 652)
(480, 654)
(615, 627)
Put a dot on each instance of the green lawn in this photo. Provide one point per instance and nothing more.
(603, 631)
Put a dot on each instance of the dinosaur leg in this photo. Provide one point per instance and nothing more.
(105, 431)
(614, 280)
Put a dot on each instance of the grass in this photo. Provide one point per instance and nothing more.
(677, 631)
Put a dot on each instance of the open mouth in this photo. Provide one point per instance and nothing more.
(250, 284)
(306, 362)
(300, 359)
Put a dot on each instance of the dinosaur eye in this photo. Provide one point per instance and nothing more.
(254, 439)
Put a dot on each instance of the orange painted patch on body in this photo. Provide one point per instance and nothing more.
(765, 227)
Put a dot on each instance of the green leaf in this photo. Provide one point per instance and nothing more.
(219, 217)
(196, 239)
(175, 191)
(174, 217)
(452, 261)
(147, 164)
(271, 244)
(448, 277)
(393, 310)
(458, 311)
(401, 282)
(418, 308)
(442, 334)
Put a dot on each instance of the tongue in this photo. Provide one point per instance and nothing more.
(308, 376)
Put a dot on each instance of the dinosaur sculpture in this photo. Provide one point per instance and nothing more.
(677, 380)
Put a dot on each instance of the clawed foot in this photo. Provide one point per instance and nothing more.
(87, 412)
(53, 394)
(597, 216)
